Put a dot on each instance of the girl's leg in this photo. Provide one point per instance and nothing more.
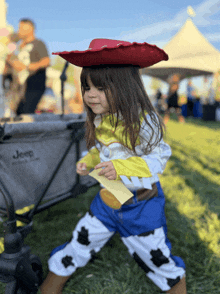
(167, 115)
(151, 252)
(179, 115)
(179, 288)
(53, 284)
(89, 236)
(150, 247)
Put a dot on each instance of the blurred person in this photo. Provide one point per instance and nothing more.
(13, 91)
(205, 91)
(198, 111)
(158, 99)
(158, 94)
(30, 65)
(172, 99)
(161, 104)
(190, 98)
(211, 96)
(216, 86)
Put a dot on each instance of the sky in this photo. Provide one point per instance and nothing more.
(67, 25)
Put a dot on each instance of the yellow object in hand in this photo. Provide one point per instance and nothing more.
(116, 188)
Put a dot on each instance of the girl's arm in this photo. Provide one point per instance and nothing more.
(143, 166)
(91, 158)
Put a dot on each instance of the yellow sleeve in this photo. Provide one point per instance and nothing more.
(131, 167)
(91, 158)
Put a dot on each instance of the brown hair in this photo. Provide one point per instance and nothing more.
(29, 21)
(125, 93)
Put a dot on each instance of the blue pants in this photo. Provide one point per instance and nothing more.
(143, 230)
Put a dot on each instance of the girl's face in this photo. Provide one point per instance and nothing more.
(95, 98)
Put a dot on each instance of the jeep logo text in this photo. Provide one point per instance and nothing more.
(23, 154)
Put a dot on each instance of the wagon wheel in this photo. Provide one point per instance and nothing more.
(37, 268)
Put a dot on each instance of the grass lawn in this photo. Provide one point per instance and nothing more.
(191, 184)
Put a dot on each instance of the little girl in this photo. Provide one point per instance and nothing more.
(124, 136)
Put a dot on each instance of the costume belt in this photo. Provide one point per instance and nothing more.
(142, 194)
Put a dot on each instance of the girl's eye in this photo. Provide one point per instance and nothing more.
(86, 88)
(100, 89)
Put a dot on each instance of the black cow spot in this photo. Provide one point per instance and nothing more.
(141, 263)
(158, 258)
(67, 261)
(173, 282)
(146, 234)
(90, 213)
(93, 256)
(83, 236)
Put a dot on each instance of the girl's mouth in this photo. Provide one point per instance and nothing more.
(94, 104)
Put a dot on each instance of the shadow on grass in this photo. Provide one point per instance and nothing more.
(208, 191)
(208, 124)
(199, 259)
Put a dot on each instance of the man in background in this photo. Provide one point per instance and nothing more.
(173, 99)
(30, 65)
(190, 98)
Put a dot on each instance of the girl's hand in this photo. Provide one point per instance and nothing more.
(81, 169)
(109, 171)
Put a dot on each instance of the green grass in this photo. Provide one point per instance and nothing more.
(191, 184)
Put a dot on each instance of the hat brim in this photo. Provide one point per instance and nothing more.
(137, 54)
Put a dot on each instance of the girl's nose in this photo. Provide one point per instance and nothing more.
(92, 93)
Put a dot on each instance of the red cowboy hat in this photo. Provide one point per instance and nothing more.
(107, 51)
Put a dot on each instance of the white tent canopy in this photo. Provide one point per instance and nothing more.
(190, 54)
